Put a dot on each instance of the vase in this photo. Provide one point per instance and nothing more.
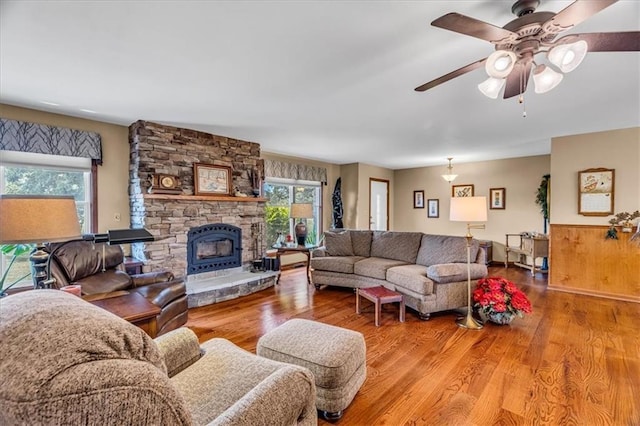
(500, 318)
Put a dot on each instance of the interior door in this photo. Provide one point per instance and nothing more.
(378, 204)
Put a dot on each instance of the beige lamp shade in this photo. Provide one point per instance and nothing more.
(468, 209)
(301, 211)
(37, 219)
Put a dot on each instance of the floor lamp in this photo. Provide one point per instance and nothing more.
(39, 219)
(469, 209)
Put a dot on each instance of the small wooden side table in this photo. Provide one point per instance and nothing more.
(134, 308)
(306, 250)
(132, 265)
(379, 296)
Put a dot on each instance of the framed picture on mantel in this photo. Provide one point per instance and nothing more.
(209, 179)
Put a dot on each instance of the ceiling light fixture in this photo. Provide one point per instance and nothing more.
(568, 56)
(491, 87)
(545, 79)
(449, 177)
(500, 63)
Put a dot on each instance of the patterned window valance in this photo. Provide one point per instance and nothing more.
(282, 169)
(43, 139)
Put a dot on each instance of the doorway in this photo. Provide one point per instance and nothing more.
(378, 204)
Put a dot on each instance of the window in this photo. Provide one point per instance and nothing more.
(281, 193)
(40, 174)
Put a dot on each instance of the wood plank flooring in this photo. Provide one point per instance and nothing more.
(574, 361)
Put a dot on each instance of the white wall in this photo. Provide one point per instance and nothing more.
(519, 176)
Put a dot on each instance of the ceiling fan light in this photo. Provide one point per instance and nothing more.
(545, 79)
(568, 56)
(491, 87)
(500, 63)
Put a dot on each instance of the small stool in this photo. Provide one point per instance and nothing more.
(379, 296)
(336, 357)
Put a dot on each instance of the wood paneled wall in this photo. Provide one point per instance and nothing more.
(583, 261)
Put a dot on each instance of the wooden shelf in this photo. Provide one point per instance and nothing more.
(204, 198)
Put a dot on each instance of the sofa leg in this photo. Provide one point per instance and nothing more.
(317, 286)
(424, 317)
(332, 417)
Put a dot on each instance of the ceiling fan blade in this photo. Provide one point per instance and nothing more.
(627, 41)
(518, 78)
(575, 13)
(451, 75)
(472, 27)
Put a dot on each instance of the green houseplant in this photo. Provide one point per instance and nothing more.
(15, 251)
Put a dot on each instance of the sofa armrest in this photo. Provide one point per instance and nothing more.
(151, 278)
(179, 349)
(319, 252)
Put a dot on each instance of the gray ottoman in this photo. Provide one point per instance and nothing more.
(335, 356)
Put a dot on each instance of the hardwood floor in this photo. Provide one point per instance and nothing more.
(574, 361)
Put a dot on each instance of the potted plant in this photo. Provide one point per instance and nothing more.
(499, 300)
(624, 219)
(15, 250)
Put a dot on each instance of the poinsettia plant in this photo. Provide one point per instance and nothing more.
(500, 299)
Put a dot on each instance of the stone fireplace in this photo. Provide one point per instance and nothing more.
(160, 149)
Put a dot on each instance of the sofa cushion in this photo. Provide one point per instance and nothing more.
(105, 282)
(396, 245)
(375, 267)
(452, 272)
(437, 249)
(338, 243)
(361, 242)
(412, 277)
(343, 264)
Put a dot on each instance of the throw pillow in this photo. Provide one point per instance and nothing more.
(338, 243)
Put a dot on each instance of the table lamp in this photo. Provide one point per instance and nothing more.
(469, 209)
(27, 219)
(301, 211)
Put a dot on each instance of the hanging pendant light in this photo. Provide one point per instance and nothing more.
(545, 79)
(568, 56)
(449, 177)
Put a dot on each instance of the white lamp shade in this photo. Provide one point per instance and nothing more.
(500, 63)
(545, 79)
(26, 219)
(468, 209)
(568, 56)
(301, 211)
(491, 87)
(449, 178)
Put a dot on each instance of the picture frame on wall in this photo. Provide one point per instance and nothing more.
(596, 192)
(497, 200)
(433, 208)
(418, 199)
(462, 190)
(209, 179)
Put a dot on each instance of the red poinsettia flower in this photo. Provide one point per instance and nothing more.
(499, 296)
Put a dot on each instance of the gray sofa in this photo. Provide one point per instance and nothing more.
(429, 270)
(64, 361)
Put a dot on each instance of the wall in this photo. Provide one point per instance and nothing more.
(519, 176)
(112, 175)
(615, 149)
(350, 196)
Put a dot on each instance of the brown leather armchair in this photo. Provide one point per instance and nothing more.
(80, 262)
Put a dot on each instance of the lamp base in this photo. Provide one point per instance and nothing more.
(469, 322)
(39, 259)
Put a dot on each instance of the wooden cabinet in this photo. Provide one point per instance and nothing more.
(528, 248)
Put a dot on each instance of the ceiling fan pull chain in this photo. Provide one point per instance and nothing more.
(521, 97)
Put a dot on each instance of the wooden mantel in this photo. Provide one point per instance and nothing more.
(211, 198)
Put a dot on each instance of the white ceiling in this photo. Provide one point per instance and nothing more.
(325, 80)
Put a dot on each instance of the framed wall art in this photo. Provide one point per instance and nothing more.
(596, 191)
(497, 199)
(462, 190)
(433, 207)
(211, 180)
(418, 199)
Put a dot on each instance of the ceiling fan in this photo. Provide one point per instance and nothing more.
(519, 41)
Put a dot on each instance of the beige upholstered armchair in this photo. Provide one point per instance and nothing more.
(64, 361)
